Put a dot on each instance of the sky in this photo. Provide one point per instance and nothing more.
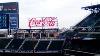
(68, 12)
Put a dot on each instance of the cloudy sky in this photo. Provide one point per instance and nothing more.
(68, 12)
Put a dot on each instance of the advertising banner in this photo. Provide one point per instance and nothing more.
(43, 22)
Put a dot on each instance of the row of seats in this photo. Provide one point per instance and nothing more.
(78, 47)
(84, 22)
(89, 20)
(90, 46)
(4, 42)
(54, 45)
(30, 45)
(42, 45)
(15, 44)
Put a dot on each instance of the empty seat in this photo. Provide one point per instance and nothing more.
(86, 45)
(42, 45)
(2, 35)
(15, 44)
(97, 24)
(89, 20)
(3, 43)
(28, 45)
(56, 45)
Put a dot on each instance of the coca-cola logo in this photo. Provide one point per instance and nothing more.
(43, 22)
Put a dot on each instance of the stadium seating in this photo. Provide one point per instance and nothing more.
(86, 45)
(83, 22)
(56, 45)
(28, 45)
(2, 35)
(97, 29)
(98, 23)
(42, 45)
(89, 20)
(4, 42)
(15, 44)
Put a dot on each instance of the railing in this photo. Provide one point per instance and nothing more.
(9, 43)
(89, 32)
(21, 44)
(77, 52)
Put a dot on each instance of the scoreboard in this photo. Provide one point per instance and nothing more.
(10, 7)
(9, 15)
(4, 21)
(13, 21)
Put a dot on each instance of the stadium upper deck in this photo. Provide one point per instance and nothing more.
(85, 37)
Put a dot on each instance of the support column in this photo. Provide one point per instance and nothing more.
(32, 34)
(40, 36)
(48, 35)
(24, 34)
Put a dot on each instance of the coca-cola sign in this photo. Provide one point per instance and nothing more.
(43, 22)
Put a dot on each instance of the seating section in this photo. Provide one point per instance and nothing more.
(15, 44)
(85, 45)
(97, 29)
(88, 37)
(28, 45)
(42, 45)
(2, 35)
(89, 20)
(98, 23)
(56, 45)
(84, 21)
(4, 42)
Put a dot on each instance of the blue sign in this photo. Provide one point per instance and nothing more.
(4, 21)
(13, 21)
(9, 15)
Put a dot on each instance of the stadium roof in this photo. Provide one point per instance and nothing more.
(97, 7)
